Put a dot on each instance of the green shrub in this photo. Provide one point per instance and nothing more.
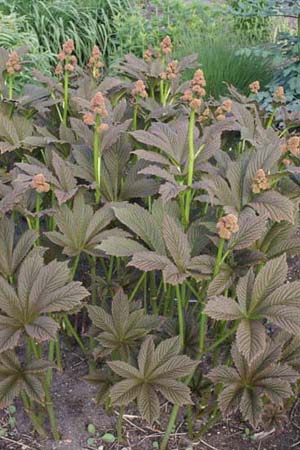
(222, 64)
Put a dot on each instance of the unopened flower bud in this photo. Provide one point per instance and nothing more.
(261, 182)
(254, 87)
(139, 89)
(68, 47)
(293, 145)
(227, 225)
(39, 183)
(89, 118)
(166, 45)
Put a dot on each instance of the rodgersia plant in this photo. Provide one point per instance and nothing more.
(176, 202)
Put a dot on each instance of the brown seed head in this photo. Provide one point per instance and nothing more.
(103, 127)
(254, 87)
(89, 118)
(227, 105)
(279, 94)
(195, 104)
(98, 105)
(227, 225)
(198, 81)
(286, 162)
(148, 55)
(13, 64)
(166, 45)
(59, 69)
(39, 183)
(293, 145)
(139, 89)
(68, 47)
(171, 71)
(187, 96)
(261, 182)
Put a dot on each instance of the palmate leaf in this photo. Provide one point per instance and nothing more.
(171, 139)
(281, 238)
(123, 329)
(158, 370)
(80, 228)
(263, 297)
(41, 289)
(11, 253)
(58, 172)
(15, 377)
(230, 184)
(247, 384)
(163, 233)
(13, 131)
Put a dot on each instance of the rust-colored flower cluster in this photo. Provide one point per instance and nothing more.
(194, 95)
(223, 109)
(171, 71)
(13, 64)
(206, 116)
(139, 89)
(279, 95)
(254, 87)
(166, 45)
(67, 61)
(39, 183)
(97, 107)
(261, 182)
(148, 54)
(95, 63)
(227, 225)
(292, 145)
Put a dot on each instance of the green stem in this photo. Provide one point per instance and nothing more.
(190, 421)
(271, 118)
(137, 286)
(50, 358)
(93, 279)
(10, 87)
(203, 316)
(51, 413)
(58, 354)
(34, 419)
(180, 316)
(73, 332)
(37, 211)
(66, 97)
(135, 115)
(97, 158)
(190, 168)
(75, 265)
(175, 409)
(119, 424)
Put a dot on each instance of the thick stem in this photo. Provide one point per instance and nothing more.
(180, 315)
(75, 265)
(66, 97)
(137, 286)
(34, 419)
(119, 424)
(190, 168)
(51, 413)
(50, 358)
(175, 409)
(10, 87)
(73, 332)
(97, 158)
(37, 211)
(135, 115)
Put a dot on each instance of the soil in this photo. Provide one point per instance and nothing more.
(76, 408)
